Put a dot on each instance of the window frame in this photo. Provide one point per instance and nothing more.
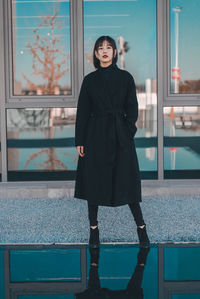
(169, 98)
(18, 101)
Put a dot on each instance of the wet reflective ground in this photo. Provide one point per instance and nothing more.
(112, 271)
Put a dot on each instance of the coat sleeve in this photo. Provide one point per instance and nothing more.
(82, 114)
(131, 107)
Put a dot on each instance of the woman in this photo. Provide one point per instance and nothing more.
(108, 171)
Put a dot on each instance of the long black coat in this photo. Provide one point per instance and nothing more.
(108, 174)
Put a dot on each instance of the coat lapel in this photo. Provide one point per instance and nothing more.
(103, 93)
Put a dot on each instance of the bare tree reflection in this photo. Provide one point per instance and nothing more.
(44, 122)
(52, 162)
(47, 53)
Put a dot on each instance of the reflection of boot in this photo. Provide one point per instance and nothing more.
(94, 255)
(143, 237)
(94, 237)
(134, 284)
(142, 255)
(94, 282)
(94, 287)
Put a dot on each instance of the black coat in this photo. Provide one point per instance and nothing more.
(107, 111)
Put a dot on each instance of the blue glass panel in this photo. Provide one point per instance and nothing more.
(181, 142)
(185, 46)
(45, 265)
(182, 263)
(41, 140)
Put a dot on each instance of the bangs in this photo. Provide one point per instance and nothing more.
(101, 43)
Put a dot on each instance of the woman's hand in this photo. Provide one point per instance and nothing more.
(80, 150)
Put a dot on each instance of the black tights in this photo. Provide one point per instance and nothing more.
(134, 207)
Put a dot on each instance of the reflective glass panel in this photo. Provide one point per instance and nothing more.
(36, 265)
(179, 263)
(41, 144)
(136, 43)
(185, 46)
(182, 142)
(41, 47)
(121, 277)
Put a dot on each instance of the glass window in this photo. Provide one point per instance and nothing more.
(46, 264)
(185, 46)
(179, 263)
(182, 142)
(41, 47)
(41, 144)
(133, 26)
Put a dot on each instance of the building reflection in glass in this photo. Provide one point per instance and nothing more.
(41, 139)
(182, 142)
(185, 46)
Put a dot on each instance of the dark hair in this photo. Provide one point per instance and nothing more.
(98, 43)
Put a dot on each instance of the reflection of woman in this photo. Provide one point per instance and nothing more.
(108, 171)
(133, 289)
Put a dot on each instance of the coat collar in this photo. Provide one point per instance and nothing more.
(109, 68)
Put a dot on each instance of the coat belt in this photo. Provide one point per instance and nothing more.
(112, 137)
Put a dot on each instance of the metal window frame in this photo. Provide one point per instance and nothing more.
(170, 99)
(165, 98)
(35, 100)
(2, 95)
(77, 63)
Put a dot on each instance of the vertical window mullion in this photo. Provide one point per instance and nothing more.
(162, 80)
(2, 97)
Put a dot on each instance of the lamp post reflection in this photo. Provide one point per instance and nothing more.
(176, 69)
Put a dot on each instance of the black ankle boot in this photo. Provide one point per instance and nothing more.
(143, 237)
(94, 237)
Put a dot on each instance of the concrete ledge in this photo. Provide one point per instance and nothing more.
(36, 192)
(66, 189)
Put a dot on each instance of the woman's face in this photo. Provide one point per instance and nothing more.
(105, 54)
